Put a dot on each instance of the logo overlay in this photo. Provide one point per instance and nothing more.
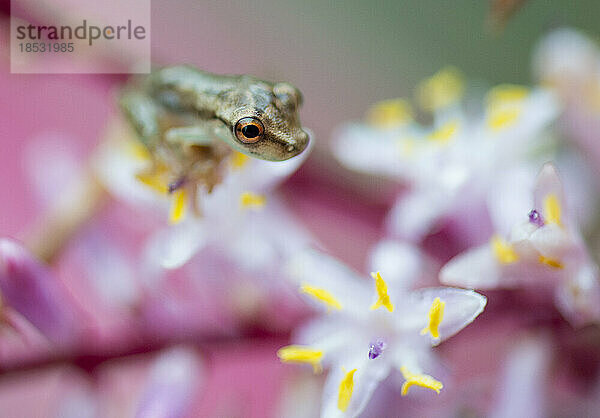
(113, 38)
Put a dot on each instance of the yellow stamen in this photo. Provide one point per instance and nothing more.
(137, 150)
(301, 354)
(442, 89)
(551, 262)
(504, 105)
(321, 295)
(503, 251)
(239, 160)
(500, 118)
(444, 133)
(155, 181)
(436, 315)
(346, 389)
(178, 206)
(552, 209)
(390, 113)
(506, 93)
(422, 380)
(383, 297)
(250, 200)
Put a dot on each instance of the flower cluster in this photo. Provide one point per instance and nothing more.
(372, 329)
(448, 166)
(495, 196)
(543, 248)
(241, 210)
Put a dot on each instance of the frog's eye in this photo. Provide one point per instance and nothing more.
(249, 130)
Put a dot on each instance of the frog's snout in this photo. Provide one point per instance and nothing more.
(301, 142)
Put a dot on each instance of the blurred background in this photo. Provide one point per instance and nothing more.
(343, 57)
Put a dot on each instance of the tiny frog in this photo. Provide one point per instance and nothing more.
(190, 120)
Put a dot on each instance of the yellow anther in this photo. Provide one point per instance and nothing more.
(504, 105)
(250, 200)
(551, 262)
(155, 181)
(301, 354)
(390, 113)
(238, 160)
(436, 315)
(137, 150)
(422, 380)
(383, 297)
(503, 251)
(444, 133)
(552, 209)
(178, 206)
(442, 89)
(500, 118)
(321, 295)
(346, 389)
(506, 93)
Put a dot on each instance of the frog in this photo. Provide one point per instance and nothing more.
(191, 121)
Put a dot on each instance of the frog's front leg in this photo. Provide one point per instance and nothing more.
(203, 150)
(189, 135)
(203, 134)
(143, 114)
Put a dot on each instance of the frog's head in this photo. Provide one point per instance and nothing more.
(264, 120)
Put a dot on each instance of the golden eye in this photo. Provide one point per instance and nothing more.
(249, 130)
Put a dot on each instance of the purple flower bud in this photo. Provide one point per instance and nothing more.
(535, 218)
(376, 349)
(32, 290)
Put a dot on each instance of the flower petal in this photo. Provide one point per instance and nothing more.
(549, 187)
(172, 247)
(266, 238)
(399, 263)
(578, 299)
(553, 242)
(522, 381)
(365, 380)
(369, 150)
(414, 215)
(510, 200)
(321, 271)
(174, 378)
(474, 269)
(330, 336)
(565, 55)
(461, 307)
(32, 290)
(116, 165)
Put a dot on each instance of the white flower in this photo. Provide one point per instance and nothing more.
(568, 60)
(240, 216)
(449, 165)
(371, 328)
(537, 244)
